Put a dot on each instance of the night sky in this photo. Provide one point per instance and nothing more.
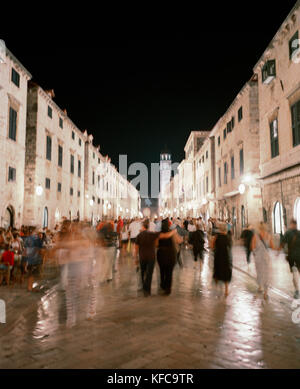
(140, 93)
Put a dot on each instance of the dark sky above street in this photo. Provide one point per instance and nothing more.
(137, 94)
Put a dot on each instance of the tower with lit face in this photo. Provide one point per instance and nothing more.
(165, 172)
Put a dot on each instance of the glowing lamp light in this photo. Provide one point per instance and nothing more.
(109, 206)
(181, 209)
(190, 207)
(247, 178)
(204, 201)
(39, 190)
(91, 203)
(121, 209)
(140, 213)
(175, 210)
(87, 196)
(242, 188)
(127, 210)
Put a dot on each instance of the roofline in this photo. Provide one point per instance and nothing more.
(270, 45)
(248, 83)
(10, 54)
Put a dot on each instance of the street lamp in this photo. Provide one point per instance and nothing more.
(242, 188)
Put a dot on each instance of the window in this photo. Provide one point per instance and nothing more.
(219, 174)
(224, 133)
(241, 161)
(78, 193)
(79, 142)
(47, 183)
(243, 218)
(11, 174)
(219, 140)
(232, 167)
(93, 179)
(206, 184)
(72, 164)
(79, 168)
(61, 123)
(48, 147)
(93, 155)
(240, 114)
(73, 135)
(232, 123)
(296, 123)
(98, 181)
(225, 172)
(71, 191)
(274, 138)
(15, 77)
(228, 127)
(202, 158)
(12, 134)
(268, 71)
(98, 200)
(294, 45)
(59, 187)
(93, 198)
(98, 160)
(206, 154)
(49, 112)
(60, 156)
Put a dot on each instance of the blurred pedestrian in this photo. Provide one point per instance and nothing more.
(292, 239)
(247, 236)
(166, 257)
(196, 239)
(221, 245)
(260, 245)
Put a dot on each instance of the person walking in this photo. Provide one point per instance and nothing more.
(221, 245)
(196, 239)
(260, 244)
(166, 257)
(247, 236)
(292, 239)
(120, 225)
(145, 246)
(108, 238)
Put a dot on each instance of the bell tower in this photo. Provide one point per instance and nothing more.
(165, 172)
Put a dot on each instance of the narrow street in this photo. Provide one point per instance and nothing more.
(195, 327)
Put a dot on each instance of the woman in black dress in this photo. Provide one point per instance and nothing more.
(222, 256)
(166, 257)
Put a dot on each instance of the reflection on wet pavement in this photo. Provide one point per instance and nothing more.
(195, 327)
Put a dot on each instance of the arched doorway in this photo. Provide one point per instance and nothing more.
(78, 215)
(278, 222)
(45, 218)
(9, 217)
(297, 212)
(70, 215)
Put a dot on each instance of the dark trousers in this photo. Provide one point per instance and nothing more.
(248, 253)
(166, 272)
(198, 252)
(146, 274)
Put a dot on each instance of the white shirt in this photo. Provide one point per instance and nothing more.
(134, 229)
(191, 227)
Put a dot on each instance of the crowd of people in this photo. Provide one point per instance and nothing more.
(81, 249)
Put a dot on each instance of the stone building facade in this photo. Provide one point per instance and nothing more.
(279, 112)
(236, 134)
(13, 105)
(55, 162)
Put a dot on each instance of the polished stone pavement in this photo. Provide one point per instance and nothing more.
(194, 327)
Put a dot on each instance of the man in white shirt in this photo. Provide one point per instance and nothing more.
(134, 229)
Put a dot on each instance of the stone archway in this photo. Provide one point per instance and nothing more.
(9, 217)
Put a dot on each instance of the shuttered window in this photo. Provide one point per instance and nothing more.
(274, 138)
(241, 161)
(15, 77)
(11, 174)
(12, 124)
(296, 123)
(48, 147)
(60, 156)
